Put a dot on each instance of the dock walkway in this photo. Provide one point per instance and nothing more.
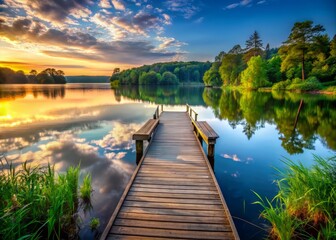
(173, 193)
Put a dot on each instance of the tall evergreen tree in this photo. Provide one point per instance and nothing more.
(299, 44)
(253, 46)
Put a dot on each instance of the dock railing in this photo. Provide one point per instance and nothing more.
(190, 111)
(204, 132)
(157, 112)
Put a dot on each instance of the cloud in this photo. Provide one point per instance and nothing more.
(79, 45)
(185, 7)
(119, 138)
(118, 5)
(239, 4)
(234, 157)
(105, 4)
(199, 20)
(261, 2)
(53, 10)
(169, 42)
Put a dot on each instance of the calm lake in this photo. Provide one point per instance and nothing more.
(92, 125)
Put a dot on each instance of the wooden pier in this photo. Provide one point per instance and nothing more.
(173, 192)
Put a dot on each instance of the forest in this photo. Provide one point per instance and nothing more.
(47, 76)
(170, 73)
(305, 61)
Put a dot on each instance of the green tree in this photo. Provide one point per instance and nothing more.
(149, 78)
(220, 56)
(273, 69)
(253, 46)
(298, 46)
(231, 67)
(267, 52)
(169, 78)
(212, 76)
(255, 76)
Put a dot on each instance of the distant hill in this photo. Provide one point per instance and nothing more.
(88, 79)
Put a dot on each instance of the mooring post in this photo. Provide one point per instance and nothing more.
(211, 150)
(139, 150)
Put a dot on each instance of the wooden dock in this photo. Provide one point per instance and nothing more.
(173, 192)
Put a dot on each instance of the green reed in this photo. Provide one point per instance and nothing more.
(86, 189)
(35, 203)
(305, 206)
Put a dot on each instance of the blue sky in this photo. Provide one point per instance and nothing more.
(93, 37)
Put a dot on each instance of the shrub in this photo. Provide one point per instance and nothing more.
(281, 85)
(310, 84)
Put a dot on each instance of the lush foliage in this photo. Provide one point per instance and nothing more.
(35, 203)
(212, 77)
(254, 76)
(169, 78)
(184, 72)
(304, 207)
(47, 76)
(305, 54)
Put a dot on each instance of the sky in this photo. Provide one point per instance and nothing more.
(90, 37)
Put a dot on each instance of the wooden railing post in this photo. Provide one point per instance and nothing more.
(187, 108)
(196, 117)
(139, 150)
(161, 107)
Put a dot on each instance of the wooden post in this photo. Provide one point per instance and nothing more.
(161, 107)
(139, 150)
(200, 139)
(211, 150)
(196, 117)
(187, 107)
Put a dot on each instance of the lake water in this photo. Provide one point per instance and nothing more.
(92, 125)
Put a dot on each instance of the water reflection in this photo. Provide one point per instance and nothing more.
(298, 127)
(91, 125)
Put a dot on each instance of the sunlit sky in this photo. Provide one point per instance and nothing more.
(88, 37)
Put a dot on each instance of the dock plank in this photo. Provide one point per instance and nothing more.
(173, 192)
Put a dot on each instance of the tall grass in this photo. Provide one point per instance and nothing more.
(305, 206)
(35, 203)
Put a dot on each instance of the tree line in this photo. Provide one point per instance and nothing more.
(305, 61)
(47, 76)
(170, 73)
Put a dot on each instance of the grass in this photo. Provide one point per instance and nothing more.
(305, 206)
(37, 203)
(94, 223)
(85, 190)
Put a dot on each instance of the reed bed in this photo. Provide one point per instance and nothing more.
(305, 206)
(37, 203)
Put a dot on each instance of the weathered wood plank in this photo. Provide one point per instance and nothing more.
(151, 232)
(172, 225)
(174, 200)
(174, 218)
(174, 193)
